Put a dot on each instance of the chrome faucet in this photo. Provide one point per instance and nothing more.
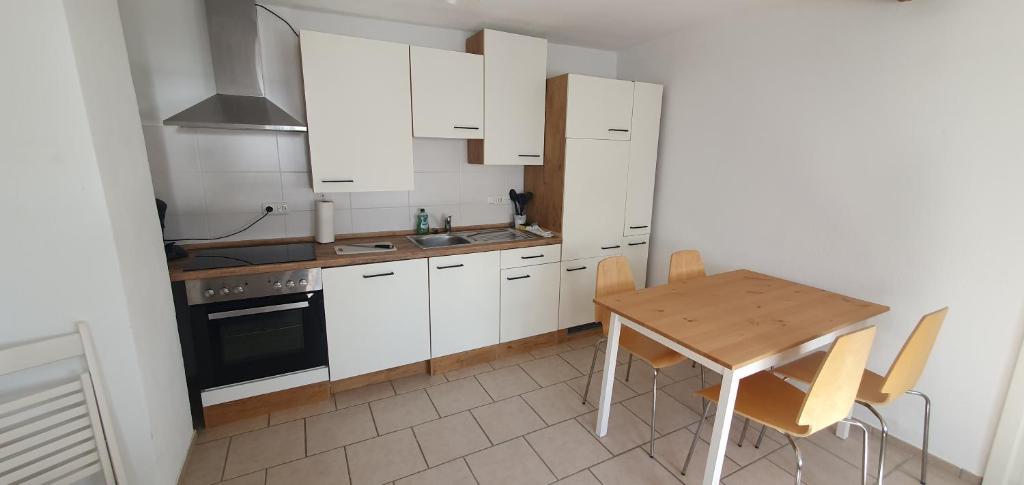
(448, 224)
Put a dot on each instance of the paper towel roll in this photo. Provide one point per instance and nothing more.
(324, 221)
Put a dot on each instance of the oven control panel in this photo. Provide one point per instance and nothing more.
(240, 287)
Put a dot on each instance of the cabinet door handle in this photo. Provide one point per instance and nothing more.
(466, 127)
(641, 243)
(611, 247)
(535, 256)
(620, 130)
(575, 269)
(639, 227)
(513, 278)
(530, 156)
(378, 275)
(337, 181)
(450, 266)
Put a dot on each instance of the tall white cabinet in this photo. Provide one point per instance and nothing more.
(514, 70)
(358, 110)
(597, 184)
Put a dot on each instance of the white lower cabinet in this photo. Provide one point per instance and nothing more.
(529, 301)
(464, 302)
(378, 316)
(635, 251)
(576, 300)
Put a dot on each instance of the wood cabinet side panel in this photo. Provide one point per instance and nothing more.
(547, 181)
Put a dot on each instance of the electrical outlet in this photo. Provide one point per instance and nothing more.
(492, 200)
(503, 200)
(278, 208)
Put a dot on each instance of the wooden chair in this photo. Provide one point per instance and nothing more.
(876, 390)
(614, 276)
(56, 435)
(685, 264)
(768, 399)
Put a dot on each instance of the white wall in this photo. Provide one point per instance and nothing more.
(215, 181)
(870, 148)
(80, 241)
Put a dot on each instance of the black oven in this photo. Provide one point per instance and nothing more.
(250, 327)
(250, 339)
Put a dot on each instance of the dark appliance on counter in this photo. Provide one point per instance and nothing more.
(171, 251)
(239, 329)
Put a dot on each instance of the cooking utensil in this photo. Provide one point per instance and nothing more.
(514, 197)
(524, 199)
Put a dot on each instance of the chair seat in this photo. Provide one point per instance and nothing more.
(803, 370)
(767, 399)
(655, 354)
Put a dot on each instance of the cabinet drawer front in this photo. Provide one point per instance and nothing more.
(529, 301)
(598, 108)
(636, 251)
(514, 258)
(378, 316)
(576, 300)
(464, 299)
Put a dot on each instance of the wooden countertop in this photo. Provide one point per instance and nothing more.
(326, 258)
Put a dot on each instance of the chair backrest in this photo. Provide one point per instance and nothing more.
(909, 364)
(835, 385)
(613, 277)
(685, 264)
(56, 435)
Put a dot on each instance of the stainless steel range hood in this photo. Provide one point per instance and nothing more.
(239, 102)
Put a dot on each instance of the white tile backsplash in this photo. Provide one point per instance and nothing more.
(380, 219)
(214, 182)
(438, 154)
(373, 200)
(237, 151)
(171, 149)
(434, 188)
(294, 152)
(242, 192)
(185, 189)
(298, 191)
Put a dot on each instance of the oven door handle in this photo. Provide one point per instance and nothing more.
(257, 310)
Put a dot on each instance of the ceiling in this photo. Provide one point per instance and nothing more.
(602, 24)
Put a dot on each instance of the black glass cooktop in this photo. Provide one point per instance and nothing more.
(248, 256)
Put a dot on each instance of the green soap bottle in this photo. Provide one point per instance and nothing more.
(422, 225)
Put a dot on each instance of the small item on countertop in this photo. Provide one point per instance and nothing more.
(520, 220)
(422, 223)
(362, 248)
(524, 199)
(535, 229)
(324, 221)
(514, 197)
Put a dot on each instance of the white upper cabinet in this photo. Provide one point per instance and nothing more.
(447, 93)
(595, 193)
(515, 68)
(643, 158)
(598, 108)
(358, 108)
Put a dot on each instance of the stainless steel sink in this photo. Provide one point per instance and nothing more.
(428, 241)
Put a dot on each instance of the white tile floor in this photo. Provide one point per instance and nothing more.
(518, 420)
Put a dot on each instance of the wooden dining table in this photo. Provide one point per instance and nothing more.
(736, 323)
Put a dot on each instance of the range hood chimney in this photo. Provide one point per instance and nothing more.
(239, 103)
